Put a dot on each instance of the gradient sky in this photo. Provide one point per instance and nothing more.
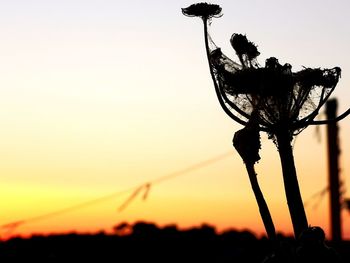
(97, 96)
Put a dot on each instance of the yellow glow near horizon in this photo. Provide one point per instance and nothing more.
(98, 96)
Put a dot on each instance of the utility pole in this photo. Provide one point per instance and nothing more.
(333, 171)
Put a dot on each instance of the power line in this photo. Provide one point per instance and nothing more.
(135, 192)
(318, 196)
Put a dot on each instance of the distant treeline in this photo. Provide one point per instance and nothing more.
(145, 242)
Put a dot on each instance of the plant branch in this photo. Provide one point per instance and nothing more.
(339, 118)
(263, 208)
(291, 186)
(217, 90)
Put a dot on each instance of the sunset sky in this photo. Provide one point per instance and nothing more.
(99, 96)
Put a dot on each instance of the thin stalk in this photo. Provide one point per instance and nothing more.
(222, 103)
(291, 186)
(247, 143)
(263, 208)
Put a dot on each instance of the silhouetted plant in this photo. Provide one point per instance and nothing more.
(246, 141)
(272, 99)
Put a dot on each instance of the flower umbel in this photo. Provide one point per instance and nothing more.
(203, 10)
(274, 93)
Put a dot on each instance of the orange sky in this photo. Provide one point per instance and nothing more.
(97, 97)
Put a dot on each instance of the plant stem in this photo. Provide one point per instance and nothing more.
(291, 186)
(217, 90)
(263, 208)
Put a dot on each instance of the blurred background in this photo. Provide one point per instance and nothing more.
(101, 96)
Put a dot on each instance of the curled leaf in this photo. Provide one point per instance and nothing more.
(247, 143)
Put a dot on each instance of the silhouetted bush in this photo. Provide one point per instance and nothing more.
(148, 242)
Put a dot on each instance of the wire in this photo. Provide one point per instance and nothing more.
(135, 191)
(318, 196)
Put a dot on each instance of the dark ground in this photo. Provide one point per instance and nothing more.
(145, 242)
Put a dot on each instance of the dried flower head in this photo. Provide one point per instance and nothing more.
(275, 94)
(203, 10)
(243, 46)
